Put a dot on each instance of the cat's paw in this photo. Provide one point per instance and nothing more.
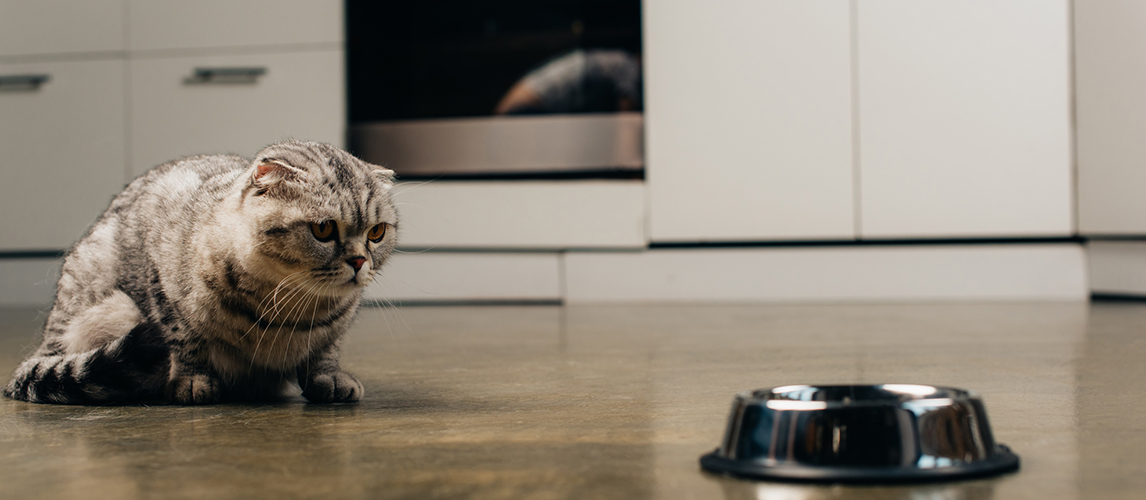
(337, 387)
(194, 389)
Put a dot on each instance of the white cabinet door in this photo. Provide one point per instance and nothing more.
(299, 95)
(529, 215)
(748, 116)
(1110, 98)
(178, 24)
(61, 151)
(466, 276)
(964, 118)
(33, 27)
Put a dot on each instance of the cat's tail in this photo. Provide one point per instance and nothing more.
(133, 367)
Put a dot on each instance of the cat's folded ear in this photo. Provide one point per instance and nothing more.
(384, 174)
(269, 173)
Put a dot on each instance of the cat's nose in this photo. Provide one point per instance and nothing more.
(356, 262)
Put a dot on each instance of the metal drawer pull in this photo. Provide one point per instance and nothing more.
(15, 83)
(225, 75)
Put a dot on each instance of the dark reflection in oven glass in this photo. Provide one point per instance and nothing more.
(460, 58)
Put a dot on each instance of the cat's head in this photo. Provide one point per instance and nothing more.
(318, 217)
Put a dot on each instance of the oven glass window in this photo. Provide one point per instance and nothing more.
(466, 58)
(489, 89)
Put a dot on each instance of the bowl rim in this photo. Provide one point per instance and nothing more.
(910, 395)
(1002, 461)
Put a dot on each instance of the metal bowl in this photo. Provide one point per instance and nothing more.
(859, 434)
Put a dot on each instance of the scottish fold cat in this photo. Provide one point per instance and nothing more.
(216, 278)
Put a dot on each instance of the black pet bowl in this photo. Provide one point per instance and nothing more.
(889, 433)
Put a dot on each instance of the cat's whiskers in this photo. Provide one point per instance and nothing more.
(389, 328)
(315, 297)
(302, 297)
(398, 312)
(278, 332)
(264, 307)
(394, 306)
(273, 295)
(270, 296)
(270, 323)
(406, 203)
(424, 250)
(275, 303)
(412, 185)
(310, 338)
(308, 298)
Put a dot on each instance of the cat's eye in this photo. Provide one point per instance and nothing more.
(323, 231)
(377, 232)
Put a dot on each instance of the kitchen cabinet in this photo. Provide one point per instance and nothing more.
(289, 95)
(129, 85)
(231, 24)
(748, 120)
(62, 127)
(521, 215)
(53, 27)
(467, 276)
(765, 120)
(61, 150)
(877, 119)
(1110, 82)
(224, 76)
(964, 118)
(1117, 267)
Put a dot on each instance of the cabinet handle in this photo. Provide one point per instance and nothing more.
(225, 75)
(9, 83)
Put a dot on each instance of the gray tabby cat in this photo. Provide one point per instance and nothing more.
(217, 278)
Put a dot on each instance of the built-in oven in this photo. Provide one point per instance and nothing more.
(460, 89)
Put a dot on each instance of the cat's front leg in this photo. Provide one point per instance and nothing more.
(192, 381)
(323, 380)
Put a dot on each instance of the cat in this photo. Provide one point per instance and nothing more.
(216, 278)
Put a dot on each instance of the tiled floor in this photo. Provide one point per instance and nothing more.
(606, 402)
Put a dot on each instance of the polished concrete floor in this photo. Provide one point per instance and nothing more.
(606, 402)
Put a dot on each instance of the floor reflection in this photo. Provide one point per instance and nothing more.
(1112, 402)
(737, 490)
(606, 402)
(495, 411)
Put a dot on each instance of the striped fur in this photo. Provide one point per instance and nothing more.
(204, 282)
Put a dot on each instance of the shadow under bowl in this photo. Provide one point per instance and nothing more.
(889, 433)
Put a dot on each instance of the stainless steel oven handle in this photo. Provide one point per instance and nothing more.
(23, 82)
(226, 75)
